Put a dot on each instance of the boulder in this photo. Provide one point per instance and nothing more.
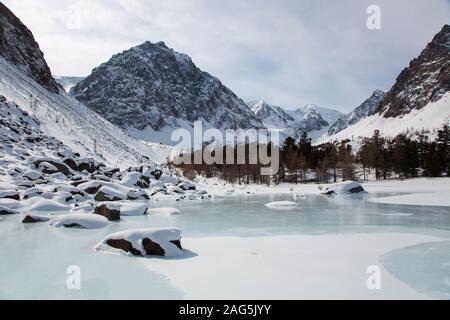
(187, 186)
(109, 194)
(32, 192)
(7, 211)
(348, 187)
(9, 194)
(60, 166)
(109, 211)
(71, 163)
(80, 221)
(157, 174)
(35, 219)
(137, 195)
(123, 245)
(32, 175)
(150, 242)
(47, 168)
(92, 187)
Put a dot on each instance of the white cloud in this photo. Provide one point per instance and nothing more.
(288, 52)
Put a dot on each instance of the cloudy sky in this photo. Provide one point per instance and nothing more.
(288, 52)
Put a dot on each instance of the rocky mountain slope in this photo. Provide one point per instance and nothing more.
(25, 79)
(18, 46)
(153, 87)
(419, 100)
(425, 80)
(366, 109)
(311, 119)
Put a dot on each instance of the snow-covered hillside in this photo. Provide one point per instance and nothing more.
(366, 109)
(430, 118)
(75, 124)
(151, 88)
(25, 79)
(311, 119)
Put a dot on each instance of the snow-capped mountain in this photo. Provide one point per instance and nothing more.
(68, 82)
(153, 88)
(366, 109)
(272, 117)
(25, 79)
(419, 100)
(311, 119)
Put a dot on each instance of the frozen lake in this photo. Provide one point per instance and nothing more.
(348, 232)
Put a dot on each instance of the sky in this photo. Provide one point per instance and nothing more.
(287, 52)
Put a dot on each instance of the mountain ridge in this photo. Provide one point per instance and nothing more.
(151, 85)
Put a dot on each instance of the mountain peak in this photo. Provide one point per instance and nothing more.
(152, 87)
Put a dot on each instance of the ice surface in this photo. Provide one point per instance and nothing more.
(323, 252)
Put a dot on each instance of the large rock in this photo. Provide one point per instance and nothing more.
(35, 219)
(108, 210)
(138, 195)
(109, 194)
(52, 166)
(7, 211)
(151, 242)
(348, 187)
(9, 194)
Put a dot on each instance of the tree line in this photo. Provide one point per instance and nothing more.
(404, 156)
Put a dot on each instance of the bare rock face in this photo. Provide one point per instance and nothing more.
(18, 46)
(426, 79)
(153, 86)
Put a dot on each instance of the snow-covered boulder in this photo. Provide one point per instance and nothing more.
(109, 210)
(109, 194)
(174, 189)
(47, 168)
(80, 220)
(90, 187)
(166, 179)
(134, 179)
(44, 205)
(10, 203)
(138, 195)
(165, 211)
(142, 242)
(282, 205)
(4, 211)
(348, 187)
(33, 218)
(9, 194)
(187, 186)
(133, 209)
(32, 175)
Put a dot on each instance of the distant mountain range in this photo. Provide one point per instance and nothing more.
(311, 119)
